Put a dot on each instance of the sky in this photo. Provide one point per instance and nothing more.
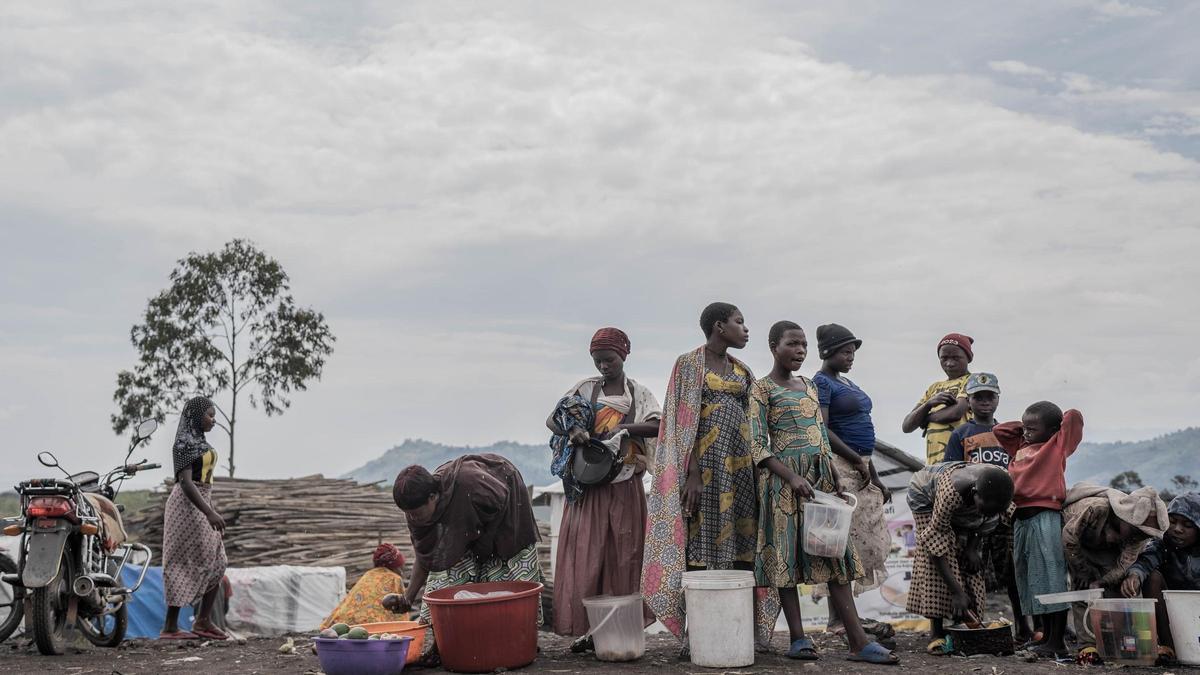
(467, 191)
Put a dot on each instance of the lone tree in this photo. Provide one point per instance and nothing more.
(226, 326)
(1126, 481)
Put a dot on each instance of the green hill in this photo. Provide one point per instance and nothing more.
(532, 460)
(1156, 461)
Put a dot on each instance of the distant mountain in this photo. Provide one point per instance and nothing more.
(532, 460)
(1156, 461)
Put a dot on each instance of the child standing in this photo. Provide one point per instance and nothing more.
(1171, 563)
(954, 505)
(974, 442)
(944, 405)
(1040, 444)
(791, 449)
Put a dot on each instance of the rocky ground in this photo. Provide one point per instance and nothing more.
(262, 655)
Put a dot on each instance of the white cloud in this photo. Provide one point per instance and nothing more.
(466, 192)
(1124, 10)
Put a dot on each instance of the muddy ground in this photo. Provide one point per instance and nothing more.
(261, 655)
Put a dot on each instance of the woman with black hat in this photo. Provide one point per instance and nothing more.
(603, 528)
(846, 409)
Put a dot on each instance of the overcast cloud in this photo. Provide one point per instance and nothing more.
(469, 190)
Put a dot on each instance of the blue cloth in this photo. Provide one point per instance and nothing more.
(148, 608)
(849, 412)
(1041, 562)
(571, 412)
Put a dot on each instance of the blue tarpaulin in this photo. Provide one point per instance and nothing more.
(148, 609)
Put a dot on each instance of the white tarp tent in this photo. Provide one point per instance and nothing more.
(283, 598)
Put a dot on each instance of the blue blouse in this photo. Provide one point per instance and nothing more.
(849, 412)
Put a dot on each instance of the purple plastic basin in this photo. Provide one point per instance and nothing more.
(362, 657)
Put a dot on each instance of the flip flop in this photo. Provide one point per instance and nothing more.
(210, 634)
(1166, 657)
(178, 635)
(803, 649)
(875, 653)
(1089, 656)
(879, 629)
(936, 647)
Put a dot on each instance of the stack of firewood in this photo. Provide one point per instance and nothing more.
(314, 521)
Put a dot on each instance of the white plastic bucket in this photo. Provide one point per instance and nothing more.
(1184, 609)
(720, 618)
(827, 524)
(617, 626)
(1126, 630)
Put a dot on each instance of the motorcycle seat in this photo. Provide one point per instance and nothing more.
(113, 529)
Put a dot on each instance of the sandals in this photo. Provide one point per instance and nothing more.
(1089, 656)
(178, 635)
(938, 647)
(803, 649)
(875, 653)
(210, 633)
(879, 629)
(1166, 657)
(583, 644)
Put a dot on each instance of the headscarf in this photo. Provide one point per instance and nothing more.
(611, 338)
(189, 437)
(961, 341)
(1188, 506)
(387, 555)
(1134, 508)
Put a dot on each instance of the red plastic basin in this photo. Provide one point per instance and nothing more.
(479, 635)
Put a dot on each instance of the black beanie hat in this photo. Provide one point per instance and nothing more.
(832, 337)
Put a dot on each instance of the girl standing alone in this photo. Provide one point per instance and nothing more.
(193, 552)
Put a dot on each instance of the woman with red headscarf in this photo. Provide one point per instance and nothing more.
(602, 535)
(362, 603)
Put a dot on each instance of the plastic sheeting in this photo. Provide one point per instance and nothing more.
(148, 608)
(283, 598)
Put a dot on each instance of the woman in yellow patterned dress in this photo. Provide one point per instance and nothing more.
(791, 448)
(364, 602)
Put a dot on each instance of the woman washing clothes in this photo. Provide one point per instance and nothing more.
(603, 531)
(470, 522)
(791, 449)
(193, 552)
(363, 603)
(703, 502)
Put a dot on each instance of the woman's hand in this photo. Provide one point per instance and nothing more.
(864, 469)
(216, 521)
(960, 605)
(396, 603)
(1132, 586)
(693, 487)
(801, 487)
(887, 494)
(578, 436)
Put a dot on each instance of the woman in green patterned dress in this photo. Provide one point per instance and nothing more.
(791, 448)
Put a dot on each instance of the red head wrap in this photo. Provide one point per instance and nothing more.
(387, 555)
(961, 341)
(611, 338)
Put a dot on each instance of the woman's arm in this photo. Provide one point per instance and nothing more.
(184, 478)
(799, 485)
(647, 429)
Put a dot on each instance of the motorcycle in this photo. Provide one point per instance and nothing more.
(73, 551)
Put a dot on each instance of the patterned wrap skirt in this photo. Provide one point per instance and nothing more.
(928, 594)
(193, 553)
(868, 527)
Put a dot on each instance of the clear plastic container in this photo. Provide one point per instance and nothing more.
(617, 626)
(827, 524)
(1125, 630)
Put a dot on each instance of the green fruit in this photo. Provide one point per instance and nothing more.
(329, 633)
(374, 637)
(358, 633)
(340, 628)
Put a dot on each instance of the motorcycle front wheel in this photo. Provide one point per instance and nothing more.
(12, 601)
(49, 617)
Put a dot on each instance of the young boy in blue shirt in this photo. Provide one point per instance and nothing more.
(974, 442)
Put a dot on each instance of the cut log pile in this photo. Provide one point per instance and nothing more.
(313, 521)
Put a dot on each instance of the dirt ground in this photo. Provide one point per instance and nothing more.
(262, 655)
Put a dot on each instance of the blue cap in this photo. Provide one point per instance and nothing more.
(982, 382)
